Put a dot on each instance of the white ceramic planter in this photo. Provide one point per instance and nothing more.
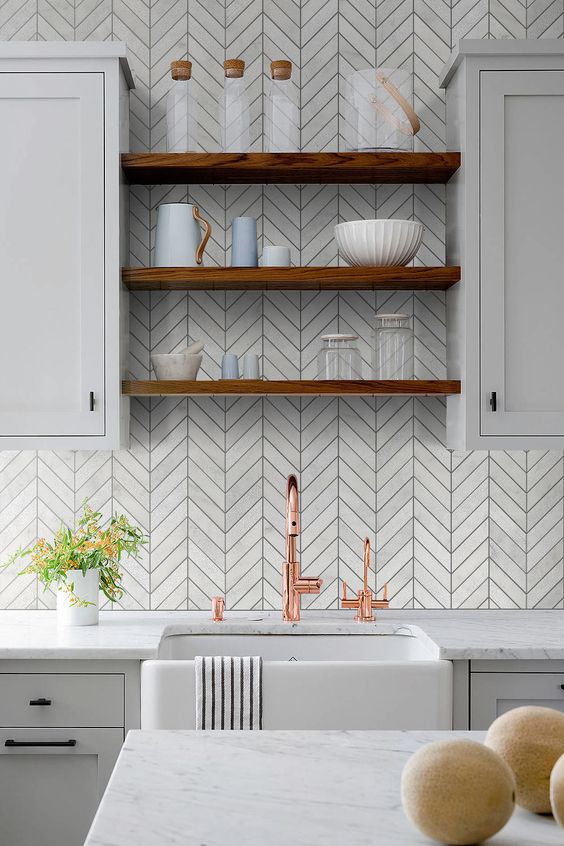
(86, 587)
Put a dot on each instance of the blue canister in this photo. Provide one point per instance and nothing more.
(244, 249)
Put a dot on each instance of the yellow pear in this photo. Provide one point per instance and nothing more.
(530, 739)
(457, 791)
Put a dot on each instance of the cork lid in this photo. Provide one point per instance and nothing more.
(281, 69)
(234, 67)
(181, 69)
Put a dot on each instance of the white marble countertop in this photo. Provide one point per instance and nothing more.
(317, 788)
(138, 634)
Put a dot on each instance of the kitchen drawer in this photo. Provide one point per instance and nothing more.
(493, 694)
(76, 699)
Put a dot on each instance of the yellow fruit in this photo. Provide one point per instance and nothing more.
(530, 740)
(457, 791)
(557, 791)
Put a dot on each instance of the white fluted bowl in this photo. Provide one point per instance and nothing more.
(378, 243)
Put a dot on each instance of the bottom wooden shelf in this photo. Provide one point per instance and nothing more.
(292, 388)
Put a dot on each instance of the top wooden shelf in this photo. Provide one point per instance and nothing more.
(297, 168)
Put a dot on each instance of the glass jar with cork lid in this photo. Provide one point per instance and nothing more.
(282, 120)
(234, 109)
(182, 112)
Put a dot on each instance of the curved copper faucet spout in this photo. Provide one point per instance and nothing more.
(293, 583)
(366, 562)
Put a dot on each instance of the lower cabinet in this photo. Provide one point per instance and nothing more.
(492, 694)
(51, 782)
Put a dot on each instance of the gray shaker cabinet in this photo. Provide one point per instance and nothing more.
(494, 693)
(505, 112)
(52, 785)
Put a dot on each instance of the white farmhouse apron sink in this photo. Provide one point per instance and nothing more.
(375, 680)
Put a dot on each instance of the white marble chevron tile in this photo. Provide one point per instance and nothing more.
(243, 502)
(469, 19)
(18, 524)
(508, 19)
(18, 20)
(206, 323)
(55, 21)
(206, 47)
(545, 529)
(93, 480)
(469, 527)
(394, 497)
(508, 529)
(429, 326)
(319, 75)
(545, 18)
(431, 505)
(206, 500)
(93, 20)
(281, 218)
(168, 480)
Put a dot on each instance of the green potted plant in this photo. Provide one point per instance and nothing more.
(80, 563)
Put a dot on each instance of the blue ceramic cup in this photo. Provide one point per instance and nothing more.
(244, 250)
(229, 367)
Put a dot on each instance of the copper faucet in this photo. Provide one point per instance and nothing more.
(293, 583)
(365, 601)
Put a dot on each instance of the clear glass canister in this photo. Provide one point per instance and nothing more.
(392, 354)
(281, 119)
(339, 358)
(234, 109)
(182, 115)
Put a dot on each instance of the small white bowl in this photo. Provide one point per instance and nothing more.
(378, 243)
(176, 365)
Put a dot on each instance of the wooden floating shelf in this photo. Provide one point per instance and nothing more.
(289, 278)
(292, 388)
(296, 168)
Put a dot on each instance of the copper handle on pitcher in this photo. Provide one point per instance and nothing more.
(206, 236)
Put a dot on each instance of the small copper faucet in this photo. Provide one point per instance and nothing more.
(293, 583)
(218, 607)
(365, 601)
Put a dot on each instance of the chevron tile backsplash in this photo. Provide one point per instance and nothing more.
(205, 478)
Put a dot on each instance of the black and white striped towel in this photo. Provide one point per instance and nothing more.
(228, 692)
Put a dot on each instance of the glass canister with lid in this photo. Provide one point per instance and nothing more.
(392, 353)
(339, 358)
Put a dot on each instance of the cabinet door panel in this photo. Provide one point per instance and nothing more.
(52, 253)
(49, 795)
(492, 694)
(522, 278)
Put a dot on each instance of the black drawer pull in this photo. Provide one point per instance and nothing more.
(562, 687)
(40, 701)
(40, 743)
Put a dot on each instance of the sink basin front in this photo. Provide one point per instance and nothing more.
(311, 681)
(292, 647)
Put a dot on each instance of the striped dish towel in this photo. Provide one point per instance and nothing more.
(228, 692)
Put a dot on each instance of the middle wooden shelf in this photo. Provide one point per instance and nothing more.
(309, 278)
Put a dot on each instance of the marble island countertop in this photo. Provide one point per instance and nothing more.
(316, 788)
(138, 634)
